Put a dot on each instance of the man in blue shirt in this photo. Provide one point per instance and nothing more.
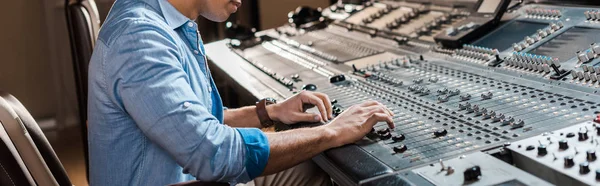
(156, 118)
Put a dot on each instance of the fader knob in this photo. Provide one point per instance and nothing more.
(400, 149)
(591, 155)
(598, 130)
(597, 174)
(309, 87)
(569, 161)
(465, 97)
(398, 138)
(337, 78)
(563, 145)
(383, 131)
(584, 168)
(472, 174)
(385, 136)
(440, 133)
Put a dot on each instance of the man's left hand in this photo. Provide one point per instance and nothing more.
(292, 110)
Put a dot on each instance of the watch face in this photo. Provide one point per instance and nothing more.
(272, 100)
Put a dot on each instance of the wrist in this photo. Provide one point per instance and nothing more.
(272, 111)
(329, 136)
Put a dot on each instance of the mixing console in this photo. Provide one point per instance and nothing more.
(525, 93)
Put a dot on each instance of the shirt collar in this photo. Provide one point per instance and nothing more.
(173, 17)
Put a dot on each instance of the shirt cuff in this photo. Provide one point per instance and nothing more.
(257, 150)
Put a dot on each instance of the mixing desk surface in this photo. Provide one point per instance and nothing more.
(477, 100)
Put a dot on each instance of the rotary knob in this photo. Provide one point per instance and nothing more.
(584, 168)
(569, 161)
(400, 149)
(583, 135)
(591, 155)
(563, 145)
(542, 151)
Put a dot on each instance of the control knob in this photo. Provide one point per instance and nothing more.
(337, 78)
(454, 93)
(582, 135)
(440, 133)
(309, 87)
(467, 105)
(383, 131)
(385, 136)
(591, 155)
(508, 121)
(498, 117)
(465, 97)
(443, 98)
(584, 168)
(472, 174)
(563, 145)
(487, 95)
(442, 91)
(569, 161)
(517, 124)
(400, 149)
(542, 151)
(398, 138)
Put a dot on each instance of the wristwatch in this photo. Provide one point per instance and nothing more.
(261, 111)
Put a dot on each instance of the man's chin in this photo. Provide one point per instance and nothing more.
(219, 19)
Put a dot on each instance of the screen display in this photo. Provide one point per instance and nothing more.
(505, 36)
(488, 6)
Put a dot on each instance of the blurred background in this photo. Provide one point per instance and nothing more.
(37, 65)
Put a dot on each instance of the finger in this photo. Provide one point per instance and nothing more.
(306, 117)
(388, 110)
(377, 117)
(316, 101)
(370, 110)
(327, 103)
(368, 103)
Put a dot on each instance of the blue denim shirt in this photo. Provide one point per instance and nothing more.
(155, 115)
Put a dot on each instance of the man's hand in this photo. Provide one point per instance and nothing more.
(356, 121)
(292, 110)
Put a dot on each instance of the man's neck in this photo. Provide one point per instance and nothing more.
(186, 7)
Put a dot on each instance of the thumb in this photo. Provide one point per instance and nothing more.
(307, 117)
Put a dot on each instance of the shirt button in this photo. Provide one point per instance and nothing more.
(190, 24)
(196, 52)
(186, 104)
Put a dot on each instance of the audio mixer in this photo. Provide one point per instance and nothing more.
(513, 102)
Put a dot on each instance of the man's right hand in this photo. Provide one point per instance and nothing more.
(356, 121)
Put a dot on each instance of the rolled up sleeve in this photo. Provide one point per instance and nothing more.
(150, 84)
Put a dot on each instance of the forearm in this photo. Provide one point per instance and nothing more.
(242, 117)
(290, 148)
